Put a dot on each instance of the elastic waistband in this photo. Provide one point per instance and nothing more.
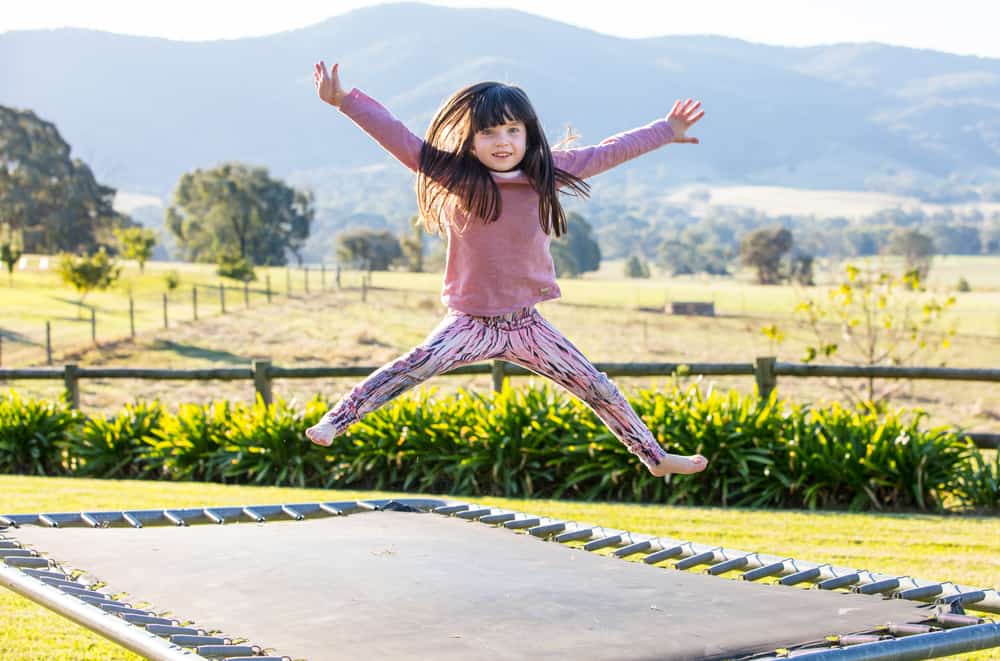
(510, 321)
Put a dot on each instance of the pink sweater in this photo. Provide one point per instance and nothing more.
(501, 267)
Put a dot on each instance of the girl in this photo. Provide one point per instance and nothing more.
(487, 179)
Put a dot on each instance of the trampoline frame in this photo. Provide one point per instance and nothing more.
(143, 632)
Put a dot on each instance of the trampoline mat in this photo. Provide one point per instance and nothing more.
(396, 585)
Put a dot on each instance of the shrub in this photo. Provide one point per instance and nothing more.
(120, 446)
(30, 433)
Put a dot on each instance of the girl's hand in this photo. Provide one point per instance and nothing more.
(682, 116)
(328, 84)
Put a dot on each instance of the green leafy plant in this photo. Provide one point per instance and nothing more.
(118, 446)
(30, 435)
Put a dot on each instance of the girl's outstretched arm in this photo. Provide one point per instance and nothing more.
(589, 161)
(367, 113)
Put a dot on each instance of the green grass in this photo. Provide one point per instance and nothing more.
(962, 549)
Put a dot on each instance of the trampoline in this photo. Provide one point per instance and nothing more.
(429, 579)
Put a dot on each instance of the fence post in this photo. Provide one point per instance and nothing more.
(267, 279)
(763, 371)
(498, 374)
(246, 294)
(262, 379)
(71, 379)
(166, 321)
(364, 289)
(306, 271)
(194, 301)
(338, 276)
(131, 316)
(48, 342)
(222, 298)
(93, 325)
(322, 276)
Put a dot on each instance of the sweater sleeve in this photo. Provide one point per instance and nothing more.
(589, 161)
(380, 124)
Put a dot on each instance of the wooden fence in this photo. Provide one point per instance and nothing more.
(765, 371)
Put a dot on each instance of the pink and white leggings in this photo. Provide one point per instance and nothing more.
(524, 338)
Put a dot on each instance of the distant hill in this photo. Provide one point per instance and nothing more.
(142, 111)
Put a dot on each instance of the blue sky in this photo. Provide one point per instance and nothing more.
(967, 27)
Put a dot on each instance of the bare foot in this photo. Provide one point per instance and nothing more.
(321, 433)
(676, 463)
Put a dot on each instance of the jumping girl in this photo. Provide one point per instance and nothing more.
(488, 180)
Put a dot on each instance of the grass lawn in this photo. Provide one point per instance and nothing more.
(957, 548)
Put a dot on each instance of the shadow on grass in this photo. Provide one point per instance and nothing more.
(14, 336)
(193, 351)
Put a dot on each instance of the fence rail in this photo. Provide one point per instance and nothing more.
(765, 371)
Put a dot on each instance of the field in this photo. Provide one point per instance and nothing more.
(961, 549)
(612, 319)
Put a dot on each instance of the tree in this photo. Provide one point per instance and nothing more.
(86, 273)
(11, 248)
(576, 251)
(636, 268)
(136, 243)
(370, 250)
(237, 268)
(867, 321)
(916, 248)
(764, 250)
(236, 209)
(52, 198)
(413, 246)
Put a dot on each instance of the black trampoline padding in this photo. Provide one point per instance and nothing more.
(395, 585)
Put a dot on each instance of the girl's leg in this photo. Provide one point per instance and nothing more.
(457, 340)
(543, 349)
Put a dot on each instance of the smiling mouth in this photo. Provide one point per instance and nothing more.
(501, 154)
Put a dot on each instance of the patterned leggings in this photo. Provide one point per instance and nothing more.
(523, 338)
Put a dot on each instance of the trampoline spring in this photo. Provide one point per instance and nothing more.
(547, 529)
(33, 562)
(365, 505)
(254, 515)
(858, 639)
(663, 554)
(800, 576)
(171, 630)
(60, 582)
(80, 591)
(728, 565)
(9, 545)
(963, 598)
(226, 651)
(194, 640)
(908, 629)
(518, 524)
(922, 592)
(450, 509)
(596, 544)
(694, 560)
(632, 549)
(474, 514)
(573, 535)
(214, 516)
(146, 619)
(51, 575)
(132, 520)
(838, 582)
(17, 553)
(954, 620)
(123, 610)
(332, 510)
(763, 572)
(498, 518)
(288, 511)
(95, 520)
(877, 586)
(174, 518)
(258, 658)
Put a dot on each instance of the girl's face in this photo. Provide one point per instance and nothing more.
(500, 147)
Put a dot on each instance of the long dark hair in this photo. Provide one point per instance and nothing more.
(449, 173)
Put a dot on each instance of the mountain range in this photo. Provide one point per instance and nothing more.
(142, 111)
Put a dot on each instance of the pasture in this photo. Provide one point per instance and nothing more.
(612, 319)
